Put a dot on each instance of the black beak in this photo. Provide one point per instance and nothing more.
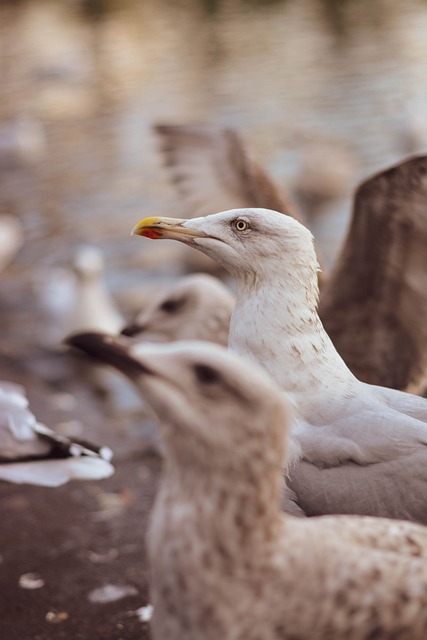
(131, 330)
(110, 350)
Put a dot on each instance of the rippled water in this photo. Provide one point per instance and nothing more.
(286, 75)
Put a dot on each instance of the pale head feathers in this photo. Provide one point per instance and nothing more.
(197, 307)
(255, 244)
(215, 414)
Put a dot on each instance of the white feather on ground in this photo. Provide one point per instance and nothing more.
(32, 453)
(224, 562)
(356, 448)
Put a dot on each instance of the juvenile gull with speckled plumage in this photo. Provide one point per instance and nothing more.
(225, 563)
(356, 448)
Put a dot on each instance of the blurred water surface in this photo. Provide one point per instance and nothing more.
(82, 82)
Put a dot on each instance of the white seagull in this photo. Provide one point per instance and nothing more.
(31, 453)
(225, 563)
(356, 448)
(374, 301)
(94, 307)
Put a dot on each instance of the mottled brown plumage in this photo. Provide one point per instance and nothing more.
(225, 563)
(213, 172)
(374, 303)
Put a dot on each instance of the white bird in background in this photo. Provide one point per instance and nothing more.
(74, 297)
(224, 562)
(94, 307)
(356, 448)
(197, 307)
(33, 454)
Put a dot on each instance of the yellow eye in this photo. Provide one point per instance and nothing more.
(241, 225)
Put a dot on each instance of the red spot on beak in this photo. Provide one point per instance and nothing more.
(153, 234)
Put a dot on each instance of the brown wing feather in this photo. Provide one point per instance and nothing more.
(374, 304)
(212, 171)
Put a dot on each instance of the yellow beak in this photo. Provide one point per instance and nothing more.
(170, 228)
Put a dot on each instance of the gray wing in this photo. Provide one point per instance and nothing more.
(374, 303)
(407, 403)
(393, 489)
(212, 171)
(290, 503)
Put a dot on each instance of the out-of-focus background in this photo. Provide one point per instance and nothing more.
(304, 82)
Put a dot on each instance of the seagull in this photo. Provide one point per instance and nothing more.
(198, 307)
(356, 448)
(94, 307)
(31, 453)
(225, 563)
(373, 302)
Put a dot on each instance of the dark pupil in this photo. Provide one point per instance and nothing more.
(205, 374)
(170, 306)
(240, 225)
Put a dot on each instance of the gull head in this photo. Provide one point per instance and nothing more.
(244, 241)
(197, 307)
(215, 409)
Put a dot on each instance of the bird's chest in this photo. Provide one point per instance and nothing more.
(291, 357)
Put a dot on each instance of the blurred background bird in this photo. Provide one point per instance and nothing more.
(31, 453)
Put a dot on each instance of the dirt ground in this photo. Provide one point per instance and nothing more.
(81, 537)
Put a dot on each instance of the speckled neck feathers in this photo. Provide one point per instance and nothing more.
(276, 324)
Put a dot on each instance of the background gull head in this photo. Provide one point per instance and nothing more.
(197, 307)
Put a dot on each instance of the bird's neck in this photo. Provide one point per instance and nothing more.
(275, 323)
(202, 544)
(217, 512)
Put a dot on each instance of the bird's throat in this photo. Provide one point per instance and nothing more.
(278, 327)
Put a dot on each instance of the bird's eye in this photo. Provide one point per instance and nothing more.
(241, 225)
(172, 306)
(206, 374)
